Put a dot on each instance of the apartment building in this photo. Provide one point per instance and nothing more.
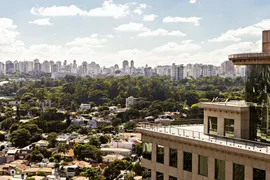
(217, 150)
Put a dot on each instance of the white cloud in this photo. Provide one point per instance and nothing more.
(225, 38)
(173, 47)
(131, 27)
(138, 11)
(161, 32)
(187, 41)
(91, 41)
(192, 1)
(150, 17)
(108, 9)
(237, 48)
(110, 36)
(42, 22)
(193, 20)
(144, 6)
(236, 34)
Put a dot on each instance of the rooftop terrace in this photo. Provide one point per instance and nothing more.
(195, 132)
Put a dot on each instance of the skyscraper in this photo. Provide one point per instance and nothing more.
(125, 66)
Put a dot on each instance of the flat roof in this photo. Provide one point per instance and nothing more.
(195, 132)
(230, 105)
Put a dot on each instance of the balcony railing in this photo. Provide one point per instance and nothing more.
(220, 140)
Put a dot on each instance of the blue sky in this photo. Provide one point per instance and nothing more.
(147, 31)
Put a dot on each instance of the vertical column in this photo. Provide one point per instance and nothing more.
(180, 163)
(153, 174)
(228, 170)
(194, 166)
(166, 156)
(237, 128)
(248, 173)
(205, 121)
(211, 168)
(154, 152)
(267, 171)
(220, 126)
(166, 162)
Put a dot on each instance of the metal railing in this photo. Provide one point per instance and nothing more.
(220, 140)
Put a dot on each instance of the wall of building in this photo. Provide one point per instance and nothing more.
(213, 151)
(241, 121)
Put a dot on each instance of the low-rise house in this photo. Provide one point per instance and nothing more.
(42, 144)
(85, 106)
(120, 151)
(33, 170)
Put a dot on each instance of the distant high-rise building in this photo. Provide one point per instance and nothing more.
(125, 66)
(177, 72)
(84, 68)
(132, 67)
(148, 71)
(9, 67)
(2, 68)
(59, 66)
(65, 63)
(227, 67)
(16, 65)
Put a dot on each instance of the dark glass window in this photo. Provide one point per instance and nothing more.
(187, 164)
(203, 166)
(212, 125)
(258, 174)
(160, 176)
(146, 174)
(160, 154)
(173, 157)
(147, 150)
(238, 172)
(172, 178)
(229, 127)
(219, 170)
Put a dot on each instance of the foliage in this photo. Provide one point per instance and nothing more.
(115, 167)
(7, 123)
(2, 137)
(91, 173)
(41, 174)
(94, 140)
(82, 152)
(130, 126)
(36, 156)
(20, 137)
(104, 139)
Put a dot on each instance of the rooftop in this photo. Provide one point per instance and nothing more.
(195, 132)
(230, 105)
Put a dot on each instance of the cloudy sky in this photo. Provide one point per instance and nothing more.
(147, 31)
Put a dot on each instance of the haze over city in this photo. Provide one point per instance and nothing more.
(149, 32)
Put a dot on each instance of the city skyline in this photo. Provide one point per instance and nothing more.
(149, 32)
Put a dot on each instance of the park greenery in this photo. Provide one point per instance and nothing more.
(155, 96)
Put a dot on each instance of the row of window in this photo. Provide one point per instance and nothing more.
(220, 169)
(228, 126)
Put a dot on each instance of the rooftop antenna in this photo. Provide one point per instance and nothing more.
(226, 101)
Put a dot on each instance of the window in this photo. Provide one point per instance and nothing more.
(203, 166)
(212, 125)
(146, 174)
(238, 172)
(187, 164)
(147, 150)
(172, 178)
(229, 127)
(258, 174)
(219, 169)
(160, 154)
(160, 176)
(173, 157)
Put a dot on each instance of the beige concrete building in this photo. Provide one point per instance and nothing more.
(217, 150)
